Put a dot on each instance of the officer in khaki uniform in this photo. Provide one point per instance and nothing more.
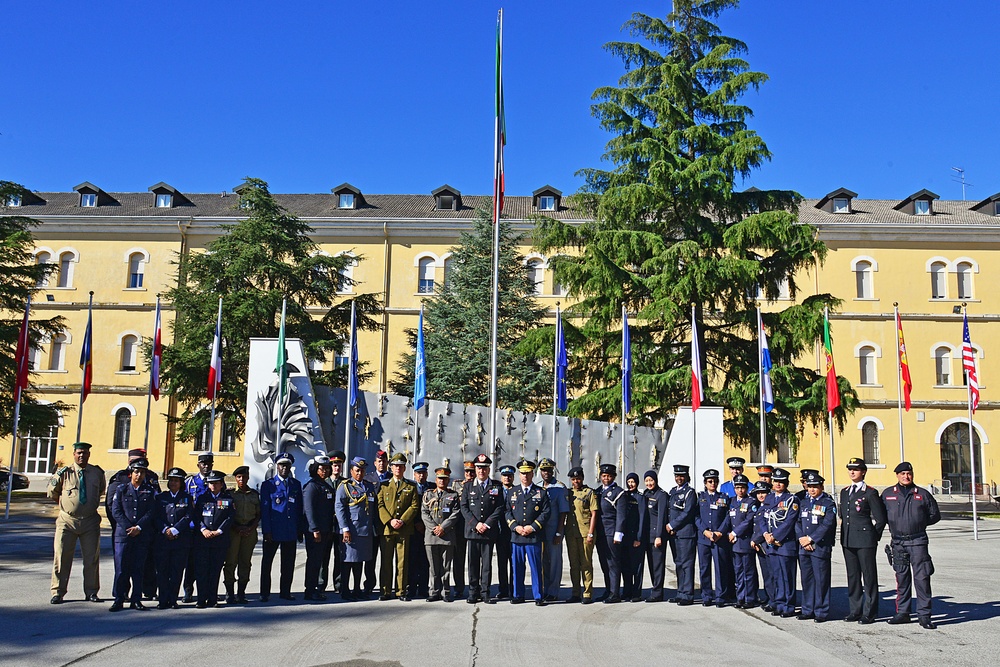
(580, 525)
(243, 536)
(440, 510)
(398, 506)
(77, 489)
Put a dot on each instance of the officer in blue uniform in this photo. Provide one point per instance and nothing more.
(805, 473)
(526, 514)
(356, 511)
(317, 506)
(503, 545)
(419, 568)
(632, 542)
(655, 511)
(282, 522)
(816, 530)
(762, 492)
(116, 480)
(783, 509)
(611, 532)
(742, 509)
(132, 508)
(196, 485)
(714, 547)
(482, 510)
(213, 512)
(172, 544)
(682, 517)
(736, 464)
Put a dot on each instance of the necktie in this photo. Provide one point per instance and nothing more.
(83, 489)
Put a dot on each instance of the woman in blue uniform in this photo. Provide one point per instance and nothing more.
(172, 545)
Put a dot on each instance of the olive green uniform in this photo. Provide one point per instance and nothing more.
(78, 492)
(396, 500)
(581, 554)
(243, 538)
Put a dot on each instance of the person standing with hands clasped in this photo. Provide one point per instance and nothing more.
(282, 522)
(817, 526)
(862, 522)
(527, 511)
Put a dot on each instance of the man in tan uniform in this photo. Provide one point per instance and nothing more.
(242, 537)
(398, 506)
(580, 525)
(77, 489)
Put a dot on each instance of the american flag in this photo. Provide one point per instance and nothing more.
(969, 364)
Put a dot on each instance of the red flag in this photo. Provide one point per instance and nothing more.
(904, 366)
(87, 357)
(22, 357)
(969, 364)
(500, 128)
(697, 389)
(154, 379)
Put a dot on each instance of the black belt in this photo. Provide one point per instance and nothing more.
(914, 536)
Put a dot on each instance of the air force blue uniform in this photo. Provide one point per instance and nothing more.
(782, 514)
(655, 504)
(527, 507)
(611, 524)
(741, 518)
(172, 512)
(683, 516)
(817, 521)
(132, 507)
(713, 516)
(281, 520)
(211, 513)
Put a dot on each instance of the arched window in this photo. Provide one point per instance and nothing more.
(130, 346)
(425, 276)
(66, 269)
(136, 269)
(939, 280)
(57, 352)
(866, 363)
(123, 428)
(869, 441)
(955, 464)
(963, 272)
(347, 274)
(227, 439)
(784, 289)
(201, 440)
(43, 258)
(942, 366)
(863, 279)
(536, 275)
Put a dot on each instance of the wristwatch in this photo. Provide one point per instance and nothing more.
(590, 535)
(558, 534)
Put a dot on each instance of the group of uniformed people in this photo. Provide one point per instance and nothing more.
(430, 536)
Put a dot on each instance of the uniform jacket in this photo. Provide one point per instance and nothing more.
(713, 515)
(355, 507)
(134, 507)
(440, 508)
(862, 517)
(398, 500)
(632, 502)
(482, 506)
(655, 509)
(683, 506)
(909, 510)
(504, 534)
(760, 522)
(281, 514)
(419, 529)
(124, 477)
(173, 512)
(741, 520)
(817, 520)
(65, 487)
(529, 508)
(196, 485)
(783, 514)
(584, 505)
(612, 511)
(213, 513)
(317, 503)
(558, 504)
(728, 488)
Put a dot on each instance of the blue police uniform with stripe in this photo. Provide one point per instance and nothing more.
(132, 507)
(281, 520)
(195, 485)
(760, 526)
(212, 513)
(653, 523)
(713, 516)
(783, 552)
(172, 511)
(817, 520)
(612, 521)
(683, 508)
(527, 507)
(741, 518)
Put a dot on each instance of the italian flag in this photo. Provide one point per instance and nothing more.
(500, 128)
(832, 390)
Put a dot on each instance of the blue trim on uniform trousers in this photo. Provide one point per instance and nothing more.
(533, 554)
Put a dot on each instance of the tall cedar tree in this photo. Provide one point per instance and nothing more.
(670, 231)
(253, 265)
(457, 327)
(20, 276)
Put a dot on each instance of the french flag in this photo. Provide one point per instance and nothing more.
(697, 388)
(215, 370)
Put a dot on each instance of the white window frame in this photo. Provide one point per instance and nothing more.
(841, 205)
(13, 201)
(875, 355)
(921, 207)
(126, 339)
(858, 265)
(346, 200)
(939, 278)
(164, 200)
(938, 364)
(88, 200)
(546, 203)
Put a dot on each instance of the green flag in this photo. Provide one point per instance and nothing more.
(280, 368)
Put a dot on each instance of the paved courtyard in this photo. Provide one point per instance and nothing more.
(33, 632)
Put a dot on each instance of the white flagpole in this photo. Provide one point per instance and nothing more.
(215, 391)
(555, 385)
(760, 375)
(621, 451)
(833, 472)
(694, 413)
(149, 392)
(495, 311)
(899, 381)
(17, 417)
(972, 441)
(83, 381)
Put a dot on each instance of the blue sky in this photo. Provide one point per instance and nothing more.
(881, 97)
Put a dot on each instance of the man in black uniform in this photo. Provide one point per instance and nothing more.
(682, 514)
(483, 509)
(909, 510)
(611, 532)
(862, 523)
(419, 574)
(503, 545)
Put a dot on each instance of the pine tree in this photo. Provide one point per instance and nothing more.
(670, 230)
(457, 327)
(253, 265)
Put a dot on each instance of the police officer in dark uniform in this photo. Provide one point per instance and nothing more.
(213, 512)
(782, 547)
(862, 522)
(483, 510)
(655, 504)
(172, 544)
(461, 544)
(611, 532)
(801, 494)
(526, 513)
(503, 545)
(816, 529)
(196, 484)
(762, 492)
(132, 508)
(742, 509)
(152, 481)
(317, 505)
(909, 510)
(282, 522)
(682, 516)
(337, 460)
(419, 569)
(633, 546)
(714, 547)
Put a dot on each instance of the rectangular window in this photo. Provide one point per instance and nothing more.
(996, 208)
(964, 276)
(88, 200)
(134, 280)
(446, 203)
(938, 286)
(227, 441)
(346, 200)
(867, 363)
(841, 205)
(942, 368)
(14, 201)
(863, 278)
(785, 454)
(547, 203)
(164, 201)
(922, 207)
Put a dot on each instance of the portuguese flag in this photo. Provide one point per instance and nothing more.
(832, 391)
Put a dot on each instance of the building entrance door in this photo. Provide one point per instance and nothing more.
(955, 465)
(38, 452)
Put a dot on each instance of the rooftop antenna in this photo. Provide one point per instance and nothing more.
(961, 179)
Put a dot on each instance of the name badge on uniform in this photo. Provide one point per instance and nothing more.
(207, 510)
(291, 499)
(732, 513)
(804, 514)
(329, 495)
(182, 503)
(714, 506)
(371, 498)
(493, 492)
(815, 519)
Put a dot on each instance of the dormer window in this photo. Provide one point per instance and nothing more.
(919, 203)
(546, 203)
(996, 208)
(346, 200)
(348, 197)
(447, 198)
(838, 201)
(164, 200)
(841, 205)
(922, 207)
(546, 198)
(446, 203)
(13, 201)
(88, 200)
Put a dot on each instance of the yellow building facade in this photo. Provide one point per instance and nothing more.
(926, 254)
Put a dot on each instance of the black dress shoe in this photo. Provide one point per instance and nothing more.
(384, 597)
(287, 596)
(654, 598)
(230, 599)
(739, 605)
(864, 620)
(637, 598)
(320, 597)
(265, 598)
(93, 598)
(188, 598)
(573, 599)
(175, 606)
(927, 624)
(805, 617)
(138, 605)
(201, 605)
(540, 603)
(851, 618)
(721, 603)
(448, 597)
(766, 607)
(116, 606)
(434, 598)
(517, 601)
(899, 619)
(707, 603)
(685, 603)
(551, 598)
(406, 598)
(613, 599)
(473, 599)
(819, 620)
(56, 599)
(162, 605)
(489, 601)
(242, 599)
(502, 597)
(789, 614)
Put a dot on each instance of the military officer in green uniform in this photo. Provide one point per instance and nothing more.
(581, 522)
(440, 510)
(243, 536)
(398, 505)
(77, 489)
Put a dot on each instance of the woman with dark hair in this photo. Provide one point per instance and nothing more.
(632, 550)
(655, 505)
(317, 503)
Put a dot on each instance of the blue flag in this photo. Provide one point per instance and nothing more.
(420, 376)
(765, 378)
(626, 364)
(352, 364)
(561, 364)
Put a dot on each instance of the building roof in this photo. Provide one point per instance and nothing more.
(884, 212)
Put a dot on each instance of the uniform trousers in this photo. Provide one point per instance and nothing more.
(458, 562)
(130, 568)
(767, 575)
(504, 574)
(393, 574)
(210, 556)
(632, 558)
(480, 567)
(552, 564)
(915, 575)
(745, 572)
(656, 560)
(783, 571)
(189, 575)
(317, 556)
(439, 558)
(719, 555)
(370, 570)
(685, 550)
(286, 567)
(170, 564)
(604, 558)
(533, 554)
(581, 566)
(862, 581)
(69, 529)
(419, 567)
(815, 574)
(325, 575)
(613, 564)
(238, 558)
